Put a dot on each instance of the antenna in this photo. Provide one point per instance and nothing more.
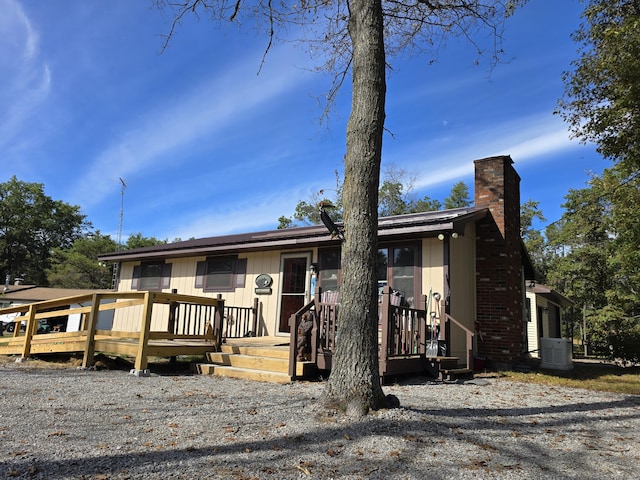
(116, 266)
(122, 187)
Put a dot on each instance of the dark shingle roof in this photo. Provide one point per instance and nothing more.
(422, 224)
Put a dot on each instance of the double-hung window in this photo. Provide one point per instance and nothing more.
(151, 276)
(221, 274)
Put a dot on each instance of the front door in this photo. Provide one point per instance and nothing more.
(293, 293)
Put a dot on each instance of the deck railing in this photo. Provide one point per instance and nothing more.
(193, 318)
(403, 332)
(242, 321)
(135, 343)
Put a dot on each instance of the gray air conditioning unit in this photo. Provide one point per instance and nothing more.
(555, 354)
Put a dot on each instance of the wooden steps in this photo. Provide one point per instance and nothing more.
(457, 373)
(252, 362)
(446, 368)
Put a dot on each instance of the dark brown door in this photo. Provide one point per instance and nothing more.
(292, 297)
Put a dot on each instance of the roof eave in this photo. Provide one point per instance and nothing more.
(388, 228)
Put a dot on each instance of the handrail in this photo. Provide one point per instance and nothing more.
(469, 336)
(294, 323)
(403, 331)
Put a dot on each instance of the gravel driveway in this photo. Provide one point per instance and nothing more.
(73, 424)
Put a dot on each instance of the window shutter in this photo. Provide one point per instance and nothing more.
(240, 273)
(165, 282)
(135, 280)
(201, 268)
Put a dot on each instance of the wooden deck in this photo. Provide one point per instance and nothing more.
(75, 342)
(140, 344)
(200, 321)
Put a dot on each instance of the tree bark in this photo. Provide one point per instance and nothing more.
(354, 384)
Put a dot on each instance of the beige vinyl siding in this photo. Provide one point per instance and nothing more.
(127, 319)
(183, 280)
(533, 342)
(463, 288)
(432, 271)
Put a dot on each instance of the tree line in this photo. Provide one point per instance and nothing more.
(50, 243)
(592, 253)
(396, 196)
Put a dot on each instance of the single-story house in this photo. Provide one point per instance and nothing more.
(473, 257)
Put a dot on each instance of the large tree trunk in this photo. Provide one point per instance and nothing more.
(354, 383)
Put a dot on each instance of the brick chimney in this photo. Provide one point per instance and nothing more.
(500, 321)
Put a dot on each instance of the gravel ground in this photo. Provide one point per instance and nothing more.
(64, 423)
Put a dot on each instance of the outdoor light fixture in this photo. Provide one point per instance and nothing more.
(442, 236)
(313, 268)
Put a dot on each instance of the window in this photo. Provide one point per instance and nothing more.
(221, 274)
(151, 276)
(329, 269)
(397, 266)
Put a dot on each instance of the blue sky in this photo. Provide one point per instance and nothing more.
(207, 146)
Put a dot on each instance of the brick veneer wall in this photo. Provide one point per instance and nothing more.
(500, 321)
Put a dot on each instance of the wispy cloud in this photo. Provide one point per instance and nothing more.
(450, 158)
(181, 121)
(254, 212)
(26, 80)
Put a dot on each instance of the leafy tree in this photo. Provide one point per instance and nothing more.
(533, 238)
(284, 222)
(396, 192)
(32, 224)
(359, 37)
(78, 266)
(395, 197)
(601, 101)
(614, 334)
(601, 104)
(390, 199)
(459, 196)
(307, 211)
(623, 196)
(594, 260)
(137, 240)
(426, 204)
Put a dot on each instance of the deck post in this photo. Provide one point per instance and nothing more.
(254, 320)
(16, 327)
(422, 328)
(315, 331)
(218, 319)
(384, 325)
(140, 368)
(30, 330)
(173, 314)
(293, 344)
(92, 322)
